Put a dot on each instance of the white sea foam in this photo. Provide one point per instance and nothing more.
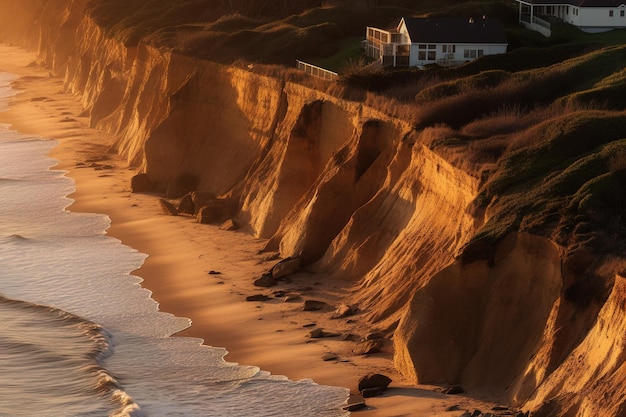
(54, 257)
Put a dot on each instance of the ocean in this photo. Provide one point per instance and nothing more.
(79, 336)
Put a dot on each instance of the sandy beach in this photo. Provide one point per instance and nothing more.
(273, 335)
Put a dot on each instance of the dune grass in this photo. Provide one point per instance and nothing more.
(542, 126)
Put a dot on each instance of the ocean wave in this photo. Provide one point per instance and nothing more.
(50, 353)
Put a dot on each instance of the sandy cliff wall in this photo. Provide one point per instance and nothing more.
(353, 193)
(337, 183)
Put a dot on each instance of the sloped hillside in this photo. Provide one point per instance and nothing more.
(477, 214)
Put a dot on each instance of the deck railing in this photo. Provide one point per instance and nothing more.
(316, 71)
(537, 24)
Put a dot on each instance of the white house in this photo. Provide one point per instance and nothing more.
(445, 41)
(588, 15)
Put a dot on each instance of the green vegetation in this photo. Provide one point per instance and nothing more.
(543, 126)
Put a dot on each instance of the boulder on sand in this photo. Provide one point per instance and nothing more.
(186, 205)
(140, 183)
(374, 380)
(168, 208)
(285, 267)
(214, 211)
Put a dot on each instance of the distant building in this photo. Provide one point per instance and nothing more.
(588, 15)
(445, 41)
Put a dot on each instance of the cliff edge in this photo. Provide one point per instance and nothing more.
(521, 302)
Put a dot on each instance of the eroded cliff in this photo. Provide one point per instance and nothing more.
(357, 195)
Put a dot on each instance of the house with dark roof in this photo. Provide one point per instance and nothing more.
(445, 41)
(588, 15)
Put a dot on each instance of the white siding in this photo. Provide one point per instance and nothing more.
(600, 17)
(459, 54)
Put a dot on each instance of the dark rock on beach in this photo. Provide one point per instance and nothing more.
(368, 347)
(257, 297)
(285, 267)
(186, 205)
(168, 208)
(266, 281)
(453, 389)
(372, 392)
(313, 305)
(140, 183)
(319, 333)
(214, 211)
(229, 225)
(201, 199)
(344, 310)
(374, 381)
(355, 403)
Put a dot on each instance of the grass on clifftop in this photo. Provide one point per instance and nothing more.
(542, 126)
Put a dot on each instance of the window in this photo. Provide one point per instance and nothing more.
(448, 49)
(427, 52)
(473, 53)
(621, 13)
(610, 13)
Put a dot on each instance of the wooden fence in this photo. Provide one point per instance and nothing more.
(316, 71)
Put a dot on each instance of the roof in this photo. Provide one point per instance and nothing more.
(455, 30)
(579, 3)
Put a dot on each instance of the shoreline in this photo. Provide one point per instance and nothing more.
(270, 335)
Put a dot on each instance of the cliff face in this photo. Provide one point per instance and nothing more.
(353, 192)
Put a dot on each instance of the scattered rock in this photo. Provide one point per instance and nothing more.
(329, 357)
(313, 305)
(453, 408)
(371, 392)
(257, 297)
(368, 347)
(266, 281)
(453, 389)
(499, 408)
(292, 297)
(140, 183)
(319, 333)
(355, 403)
(279, 293)
(229, 225)
(347, 337)
(168, 208)
(186, 205)
(476, 413)
(343, 310)
(211, 272)
(309, 325)
(201, 199)
(285, 267)
(214, 211)
(374, 381)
